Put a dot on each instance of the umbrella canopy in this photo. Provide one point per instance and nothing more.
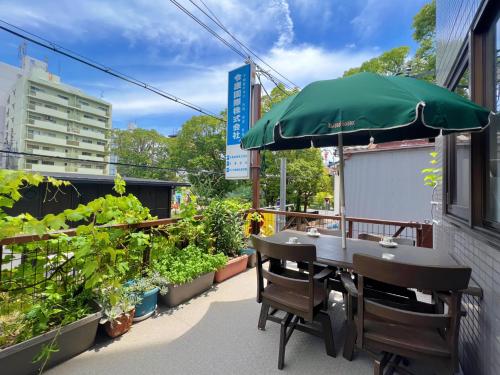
(387, 108)
(349, 111)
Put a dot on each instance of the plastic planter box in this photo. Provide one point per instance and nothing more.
(233, 267)
(73, 339)
(147, 306)
(178, 294)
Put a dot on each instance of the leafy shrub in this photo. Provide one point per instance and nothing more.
(180, 266)
(223, 220)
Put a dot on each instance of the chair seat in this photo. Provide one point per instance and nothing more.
(421, 340)
(293, 299)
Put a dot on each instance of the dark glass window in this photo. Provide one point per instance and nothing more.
(492, 207)
(459, 162)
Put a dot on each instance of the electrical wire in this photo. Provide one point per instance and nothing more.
(219, 23)
(35, 39)
(108, 162)
(208, 28)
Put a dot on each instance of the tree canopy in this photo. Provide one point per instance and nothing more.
(396, 61)
(145, 148)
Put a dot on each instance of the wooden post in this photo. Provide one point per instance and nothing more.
(424, 236)
(255, 155)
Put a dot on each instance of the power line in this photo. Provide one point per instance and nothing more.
(208, 28)
(215, 34)
(108, 162)
(33, 38)
(218, 22)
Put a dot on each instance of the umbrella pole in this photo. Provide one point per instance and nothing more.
(341, 191)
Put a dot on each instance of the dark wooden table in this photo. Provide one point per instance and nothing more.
(329, 252)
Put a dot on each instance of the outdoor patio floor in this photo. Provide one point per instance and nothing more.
(215, 333)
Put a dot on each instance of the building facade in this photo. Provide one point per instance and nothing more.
(54, 127)
(468, 222)
(8, 77)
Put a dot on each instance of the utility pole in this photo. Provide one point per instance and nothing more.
(255, 154)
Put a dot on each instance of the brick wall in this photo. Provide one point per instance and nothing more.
(480, 329)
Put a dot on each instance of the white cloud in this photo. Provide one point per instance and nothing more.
(208, 87)
(154, 21)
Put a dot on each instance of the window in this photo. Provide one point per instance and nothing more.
(63, 97)
(83, 103)
(32, 161)
(459, 162)
(88, 116)
(101, 143)
(86, 153)
(492, 185)
(86, 140)
(47, 162)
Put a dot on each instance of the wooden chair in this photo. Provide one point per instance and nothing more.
(398, 332)
(300, 295)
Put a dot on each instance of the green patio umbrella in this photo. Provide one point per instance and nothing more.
(350, 111)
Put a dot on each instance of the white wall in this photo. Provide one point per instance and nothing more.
(388, 185)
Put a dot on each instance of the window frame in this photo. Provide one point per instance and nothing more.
(479, 53)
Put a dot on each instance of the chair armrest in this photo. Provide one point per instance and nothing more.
(323, 274)
(349, 284)
(447, 299)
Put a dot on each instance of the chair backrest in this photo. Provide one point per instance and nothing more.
(279, 275)
(436, 279)
(412, 276)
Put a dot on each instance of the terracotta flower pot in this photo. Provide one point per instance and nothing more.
(120, 325)
(233, 267)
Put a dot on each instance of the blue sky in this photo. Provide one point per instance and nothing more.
(154, 41)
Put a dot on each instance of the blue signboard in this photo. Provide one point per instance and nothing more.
(238, 121)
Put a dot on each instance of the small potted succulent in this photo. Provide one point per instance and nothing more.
(118, 308)
(146, 289)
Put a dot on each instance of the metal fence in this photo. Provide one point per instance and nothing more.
(30, 262)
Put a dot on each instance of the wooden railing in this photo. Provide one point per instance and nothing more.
(420, 233)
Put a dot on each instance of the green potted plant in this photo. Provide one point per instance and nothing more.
(145, 290)
(190, 271)
(118, 309)
(223, 220)
(46, 333)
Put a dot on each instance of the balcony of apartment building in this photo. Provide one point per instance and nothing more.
(45, 151)
(49, 111)
(92, 121)
(49, 97)
(88, 156)
(88, 169)
(47, 139)
(47, 125)
(43, 166)
(98, 111)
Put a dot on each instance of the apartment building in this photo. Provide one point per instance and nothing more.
(55, 123)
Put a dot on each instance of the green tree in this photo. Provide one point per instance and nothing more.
(142, 147)
(390, 63)
(304, 171)
(395, 61)
(423, 64)
(200, 148)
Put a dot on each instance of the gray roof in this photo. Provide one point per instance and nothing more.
(103, 179)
